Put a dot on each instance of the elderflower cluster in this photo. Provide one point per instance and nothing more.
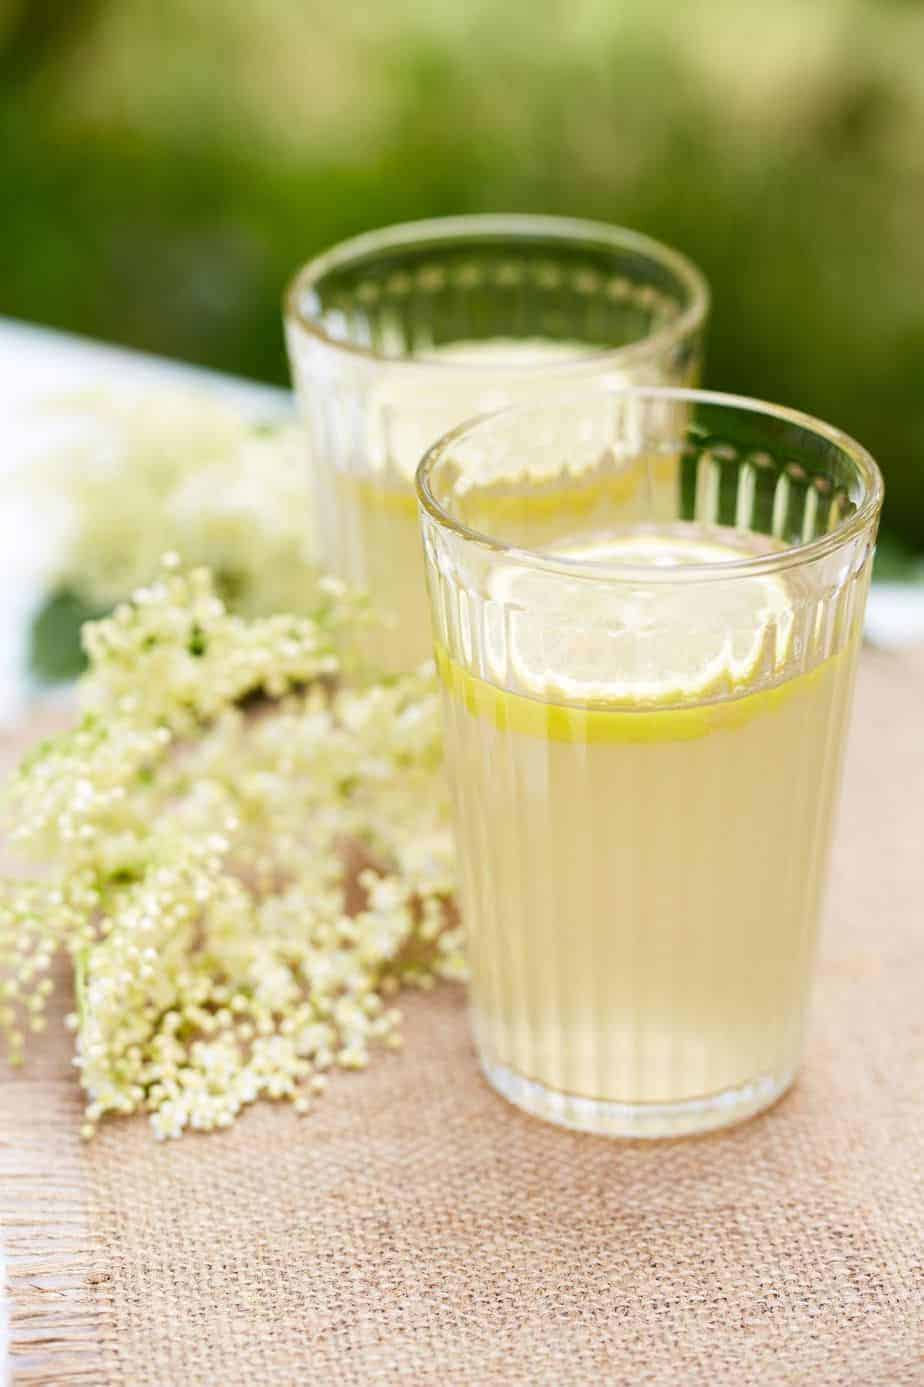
(248, 859)
(185, 471)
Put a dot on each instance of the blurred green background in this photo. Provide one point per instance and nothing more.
(168, 163)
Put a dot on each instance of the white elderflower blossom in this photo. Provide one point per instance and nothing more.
(247, 860)
(181, 469)
(167, 469)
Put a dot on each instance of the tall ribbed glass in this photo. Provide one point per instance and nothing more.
(646, 607)
(399, 335)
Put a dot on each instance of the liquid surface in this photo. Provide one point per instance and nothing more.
(644, 784)
(370, 532)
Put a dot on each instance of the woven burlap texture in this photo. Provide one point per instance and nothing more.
(416, 1229)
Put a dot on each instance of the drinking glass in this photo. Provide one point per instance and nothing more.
(646, 609)
(397, 336)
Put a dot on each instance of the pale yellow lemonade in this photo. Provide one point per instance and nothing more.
(644, 808)
(377, 510)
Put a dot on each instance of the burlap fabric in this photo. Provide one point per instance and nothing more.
(416, 1229)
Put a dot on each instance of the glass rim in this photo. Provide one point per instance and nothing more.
(793, 555)
(516, 226)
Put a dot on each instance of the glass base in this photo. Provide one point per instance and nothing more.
(645, 1120)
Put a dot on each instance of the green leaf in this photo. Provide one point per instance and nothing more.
(55, 652)
(897, 562)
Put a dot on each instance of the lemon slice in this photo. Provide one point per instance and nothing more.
(598, 642)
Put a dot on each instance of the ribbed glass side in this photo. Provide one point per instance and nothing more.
(642, 876)
(453, 329)
(642, 916)
(414, 300)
